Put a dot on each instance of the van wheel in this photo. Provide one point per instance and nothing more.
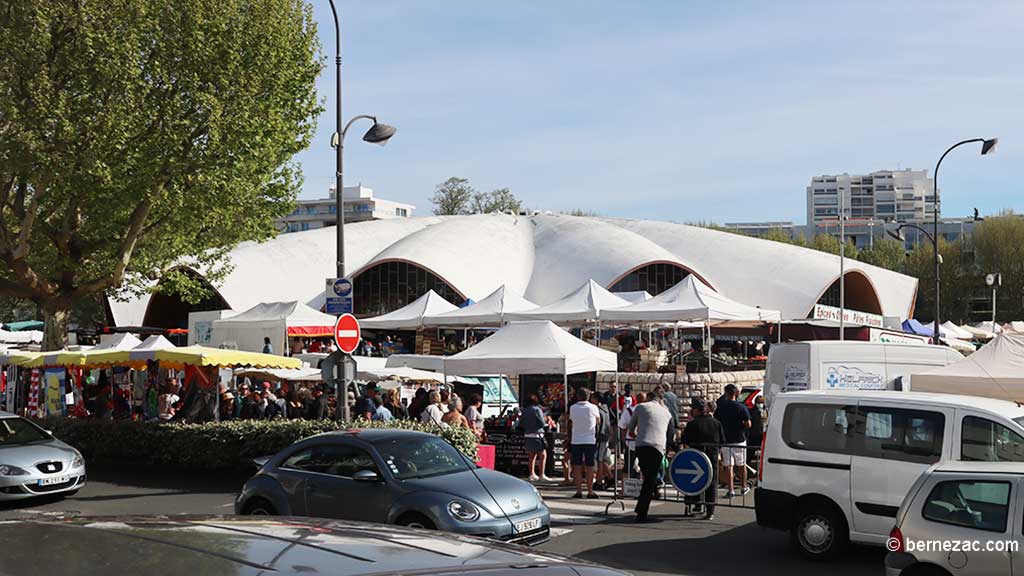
(820, 532)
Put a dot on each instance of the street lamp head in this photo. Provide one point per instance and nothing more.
(379, 133)
(989, 146)
(896, 234)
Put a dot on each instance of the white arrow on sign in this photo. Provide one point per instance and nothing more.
(696, 472)
(347, 333)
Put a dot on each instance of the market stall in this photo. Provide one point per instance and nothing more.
(691, 300)
(524, 348)
(581, 305)
(278, 321)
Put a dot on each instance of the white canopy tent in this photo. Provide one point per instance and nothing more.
(374, 369)
(978, 333)
(991, 327)
(690, 300)
(491, 311)
(951, 330)
(22, 337)
(145, 350)
(994, 371)
(304, 374)
(417, 361)
(635, 296)
(274, 320)
(410, 316)
(532, 347)
(581, 305)
(1015, 326)
(123, 341)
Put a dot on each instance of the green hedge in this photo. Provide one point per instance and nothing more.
(214, 445)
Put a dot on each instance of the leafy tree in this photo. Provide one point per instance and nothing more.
(500, 200)
(778, 235)
(956, 281)
(999, 247)
(888, 254)
(139, 137)
(453, 196)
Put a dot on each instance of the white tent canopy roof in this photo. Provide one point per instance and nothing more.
(124, 341)
(585, 303)
(690, 300)
(531, 347)
(411, 315)
(635, 296)
(994, 371)
(490, 311)
(951, 330)
(978, 333)
(294, 313)
(304, 374)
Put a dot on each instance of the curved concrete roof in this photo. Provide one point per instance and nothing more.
(545, 257)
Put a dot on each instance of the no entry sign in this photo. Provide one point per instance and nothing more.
(346, 333)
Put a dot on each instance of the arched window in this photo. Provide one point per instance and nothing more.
(390, 285)
(654, 278)
(170, 311)
(860, 294)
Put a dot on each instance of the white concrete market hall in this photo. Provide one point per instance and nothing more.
(542, 256)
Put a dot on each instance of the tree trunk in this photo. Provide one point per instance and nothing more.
(55, 332)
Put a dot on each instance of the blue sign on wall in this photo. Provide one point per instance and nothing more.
(691, 472)
(339, 292)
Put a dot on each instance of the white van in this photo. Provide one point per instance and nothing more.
(849, 364)
(836, 465)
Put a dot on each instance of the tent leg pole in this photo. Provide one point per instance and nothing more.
(618, 457)
(709, 345)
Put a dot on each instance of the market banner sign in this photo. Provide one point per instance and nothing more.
(852, 317)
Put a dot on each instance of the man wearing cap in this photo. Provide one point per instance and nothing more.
(366, 407)
(704, 433)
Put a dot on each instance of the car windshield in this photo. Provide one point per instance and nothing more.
(420, 457)
(15, 431)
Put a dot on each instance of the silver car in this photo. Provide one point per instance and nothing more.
(962, 518)
(34, 463)
(395, 477)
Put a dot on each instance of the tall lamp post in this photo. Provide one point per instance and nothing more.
(377, 134)
(987, 147)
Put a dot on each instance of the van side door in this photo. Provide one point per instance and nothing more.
(895, 446)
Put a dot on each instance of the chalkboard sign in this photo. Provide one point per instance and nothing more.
(509, 450)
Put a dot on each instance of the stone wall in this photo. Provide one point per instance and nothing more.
(686, 386)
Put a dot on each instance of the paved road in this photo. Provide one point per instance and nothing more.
(730, 545)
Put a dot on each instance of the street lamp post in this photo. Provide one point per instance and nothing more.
(897, 234)
(377, 134)
(987, 146)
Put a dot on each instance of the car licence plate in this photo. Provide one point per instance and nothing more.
(527, 525)
(54, 480)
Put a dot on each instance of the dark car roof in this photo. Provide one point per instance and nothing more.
(194, 545)
(374, 434)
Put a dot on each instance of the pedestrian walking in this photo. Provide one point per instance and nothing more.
(366, 407)
(318, 408)
(534, 424)
(474, 414)
(672, 404)
(603, 477)
(649, 425)
(583, 420)
(393, 402)
(735, 419)
(706, 434)
(454, 416)
(433, 413)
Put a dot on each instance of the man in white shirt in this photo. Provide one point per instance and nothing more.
(583, 420)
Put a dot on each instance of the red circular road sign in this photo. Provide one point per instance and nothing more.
(346, 333)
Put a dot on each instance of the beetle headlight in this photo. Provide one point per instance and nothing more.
(8, 470)
(462, 510)
(78, 462)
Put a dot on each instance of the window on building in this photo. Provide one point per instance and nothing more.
(654, 278)
(305, 226)
(332, 209)
(390, 285)
(886, 208)
(401, 212)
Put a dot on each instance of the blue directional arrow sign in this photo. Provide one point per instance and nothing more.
(691, 472)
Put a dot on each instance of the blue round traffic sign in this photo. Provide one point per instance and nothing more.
(342, 287)
(691, 472)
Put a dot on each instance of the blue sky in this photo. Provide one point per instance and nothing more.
(674, 110)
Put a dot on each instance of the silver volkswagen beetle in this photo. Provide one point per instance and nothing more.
(395, 477)
(34, 463)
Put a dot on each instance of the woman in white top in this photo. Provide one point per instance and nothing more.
(433, 412)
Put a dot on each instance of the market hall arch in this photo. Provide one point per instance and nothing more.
(171, 311)
(654, 277)
(390, 284)
(860, 294)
